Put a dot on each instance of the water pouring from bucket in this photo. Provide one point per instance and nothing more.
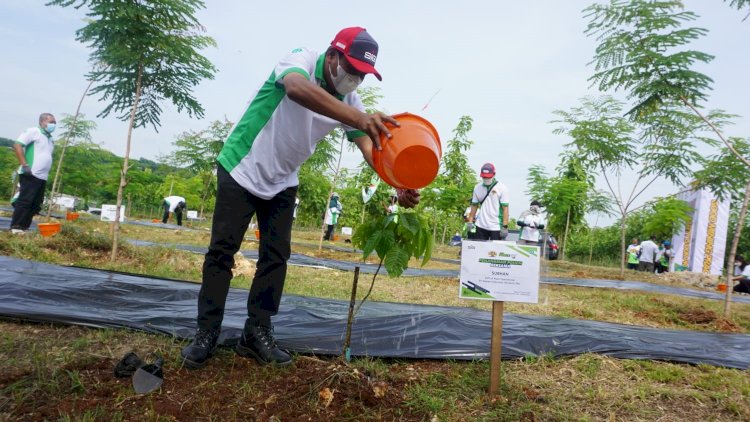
(410, 159)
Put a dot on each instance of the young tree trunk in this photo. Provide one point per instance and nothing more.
(204, 196)
(330, 192)
(62, 152)
(565, 238)
(591, 239)
(733, 252)
(124, 172)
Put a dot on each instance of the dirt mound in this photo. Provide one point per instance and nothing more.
(698, 316)
(691, 279)
(243, 266)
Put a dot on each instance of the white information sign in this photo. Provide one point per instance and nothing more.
(347, 231)
(499, 271)
(109, 211)
(192, 214)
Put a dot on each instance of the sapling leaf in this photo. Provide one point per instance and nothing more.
(410, 222)
(396, 261)
(386, 241)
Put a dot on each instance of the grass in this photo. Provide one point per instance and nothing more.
(57, 374)
(65, 373)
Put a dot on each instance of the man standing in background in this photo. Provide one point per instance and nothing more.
(531, 222)
(491, 198)
(332, 215)
(33, 149)
(647, 256)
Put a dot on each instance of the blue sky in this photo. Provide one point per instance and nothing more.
(509, 65)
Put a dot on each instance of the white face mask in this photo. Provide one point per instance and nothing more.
(487, 181)
(534, 209)
(343, 82)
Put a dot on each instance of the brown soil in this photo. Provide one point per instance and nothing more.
(232, 388)
(698, 316)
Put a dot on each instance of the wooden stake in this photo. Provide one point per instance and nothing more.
(346, 352)
(496, 347)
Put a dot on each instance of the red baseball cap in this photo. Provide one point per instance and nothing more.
(488, 170)
(359, 48)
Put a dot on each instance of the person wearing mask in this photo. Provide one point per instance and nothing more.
(488, 219)
(664, 257)
(33, 149)
(647, 255)
(173, 204)
(632, 254)
(307, 95)
(332, 215)
(531, 222)
(743, 278)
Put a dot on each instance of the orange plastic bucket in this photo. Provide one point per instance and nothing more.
(48, 229)
(410, 159)
(721, 287)
(71, 216)
(257, 234)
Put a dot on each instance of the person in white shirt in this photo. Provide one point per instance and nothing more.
(173, 204)
(531, 222)
(490, 198)
(307, 95)
(33, 149)
(632, 254)
(332, 215)
(743, 279)
(647, 255)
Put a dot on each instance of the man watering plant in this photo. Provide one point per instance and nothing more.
(307, 95)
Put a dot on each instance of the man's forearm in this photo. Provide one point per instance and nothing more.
(19, 154)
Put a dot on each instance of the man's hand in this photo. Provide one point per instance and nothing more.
(503, 233)
(373, 124)
(408, 198)
(25, 169)
(471, 227)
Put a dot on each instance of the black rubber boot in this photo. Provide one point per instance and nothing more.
(257, 342)
(201, 349)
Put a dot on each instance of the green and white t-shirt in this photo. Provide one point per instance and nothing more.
(38, 146)
(275, 135)
(490, 214)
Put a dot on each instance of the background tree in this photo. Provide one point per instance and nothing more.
(665, 217)
(664, 148)
(197, 152)
(150, 50)
(447, 197)
(71, 132)
(642, 50)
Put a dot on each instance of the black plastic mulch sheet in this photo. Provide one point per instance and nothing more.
(47, 293)
(5, 223)
(304, 260)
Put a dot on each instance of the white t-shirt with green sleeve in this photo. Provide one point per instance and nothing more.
(490, 213)
(37, 146)
(275, 135)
